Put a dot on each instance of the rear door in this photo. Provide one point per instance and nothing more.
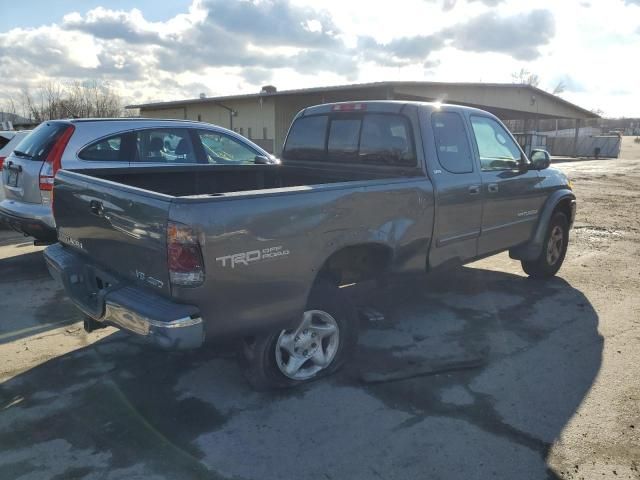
(458, 191)
(511, 193)
(164, 146)
(121, 228)
(21, 173)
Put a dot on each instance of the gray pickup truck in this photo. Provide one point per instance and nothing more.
(259, 252)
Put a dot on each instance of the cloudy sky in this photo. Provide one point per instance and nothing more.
(151, 50)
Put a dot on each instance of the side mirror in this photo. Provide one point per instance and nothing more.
(262, 160)
(540, 159)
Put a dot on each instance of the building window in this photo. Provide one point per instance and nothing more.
(264, 133)
(199, 117)
(249, 132)
(241, 131)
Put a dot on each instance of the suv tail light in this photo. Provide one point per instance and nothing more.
(184, 256)
(53, 161)
(2, 162)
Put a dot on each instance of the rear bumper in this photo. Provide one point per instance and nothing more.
(160, 321)
(32, 220)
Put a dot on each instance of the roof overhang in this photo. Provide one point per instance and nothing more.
(508, 101)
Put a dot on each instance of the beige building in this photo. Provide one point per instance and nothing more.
(264, 117)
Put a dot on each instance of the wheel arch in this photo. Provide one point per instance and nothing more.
(356, 263)
(562, 200)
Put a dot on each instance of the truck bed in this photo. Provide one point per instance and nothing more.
(215, 180)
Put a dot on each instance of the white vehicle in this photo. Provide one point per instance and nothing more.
(9, 139)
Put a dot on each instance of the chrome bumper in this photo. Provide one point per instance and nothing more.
(160, 321)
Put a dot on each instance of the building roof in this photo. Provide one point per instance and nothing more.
(359, 86)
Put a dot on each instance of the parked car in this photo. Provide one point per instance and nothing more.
(107, 144)
(8, 141)
(196, 253)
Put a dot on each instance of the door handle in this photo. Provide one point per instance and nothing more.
(493, 188)
(96, 208)
(474, 189)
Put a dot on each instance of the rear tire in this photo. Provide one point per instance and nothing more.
(318, 346)
(554, 249)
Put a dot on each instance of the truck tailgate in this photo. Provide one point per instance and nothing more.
(121, 228)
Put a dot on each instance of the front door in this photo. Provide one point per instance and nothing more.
(458, 192)
(511, 193)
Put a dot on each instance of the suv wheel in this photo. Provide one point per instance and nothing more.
(318, 346)
(553, 251)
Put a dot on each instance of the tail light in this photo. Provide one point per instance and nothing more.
(53, 161)
(184, 256)
(2, 162)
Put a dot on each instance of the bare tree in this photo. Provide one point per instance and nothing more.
(560, 87)
(525, 77)
(76, 99)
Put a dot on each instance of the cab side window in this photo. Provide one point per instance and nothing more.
(386, 139)
(166, 145)
(496, 148)
(451, 142)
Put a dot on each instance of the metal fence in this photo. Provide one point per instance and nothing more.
(599, 146)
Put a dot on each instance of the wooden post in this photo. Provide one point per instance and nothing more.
(575, 138)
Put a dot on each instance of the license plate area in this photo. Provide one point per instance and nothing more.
(12, 178)
(88, 287)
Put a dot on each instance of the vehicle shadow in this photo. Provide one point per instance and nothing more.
(30, 301)
(121, 409)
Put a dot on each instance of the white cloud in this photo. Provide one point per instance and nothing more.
(224, 47)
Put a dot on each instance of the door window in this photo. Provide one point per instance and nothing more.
(165, 145)
(222, 149)
(452, 145)
(497, 149)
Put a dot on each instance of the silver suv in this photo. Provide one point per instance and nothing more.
(28, 173)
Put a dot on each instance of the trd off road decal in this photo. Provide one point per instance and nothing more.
(245, 258)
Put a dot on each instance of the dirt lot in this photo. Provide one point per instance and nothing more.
(543, 379)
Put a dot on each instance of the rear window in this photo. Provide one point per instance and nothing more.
(344, 135)
(306, 138)
(39, 142)
(370, 139)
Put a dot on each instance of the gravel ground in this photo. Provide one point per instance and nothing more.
(475, 373)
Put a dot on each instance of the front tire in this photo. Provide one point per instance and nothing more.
(318, 346)
(554, 249)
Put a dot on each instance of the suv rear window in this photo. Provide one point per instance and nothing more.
(38, 143)
(352, 138)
